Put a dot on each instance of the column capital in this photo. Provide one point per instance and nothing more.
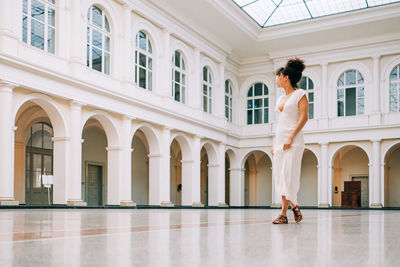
(237, 169)
(154, 155)
(376, 140)
(324, 64)
(376, 56)
(323, 143)
(60, 139)
(75, 103)
(128, 118)
(165, 127)
(7, 86)
(115, 148)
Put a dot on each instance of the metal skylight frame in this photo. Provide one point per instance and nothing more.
(267, 13)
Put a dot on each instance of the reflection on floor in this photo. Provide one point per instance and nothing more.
(112, 237)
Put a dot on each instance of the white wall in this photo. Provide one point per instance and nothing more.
(140, 173)
(308, 194)
(393, 183)
(264, 182)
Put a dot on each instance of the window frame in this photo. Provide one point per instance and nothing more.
(28, 15)
(182, 77)
(395, 83)
(310, 91)
(208, 96)
(264, 99)
(229, 95)
(148, 54)
(358, 86)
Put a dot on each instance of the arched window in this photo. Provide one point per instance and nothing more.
(394, 90)
(143, 61)
(257, 104)
(39, 24)
(228, 100)
(207, 90)
(178, 77)
(307, 84)
(350, 93)
(98, 40)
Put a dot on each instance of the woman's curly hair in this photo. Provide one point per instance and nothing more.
(293, 69)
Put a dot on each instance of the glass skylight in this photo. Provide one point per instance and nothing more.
(274, 12)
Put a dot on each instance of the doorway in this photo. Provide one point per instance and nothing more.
(94, 184)
(364, 190)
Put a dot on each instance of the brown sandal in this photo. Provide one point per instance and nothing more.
(282, 219)
(297, 214)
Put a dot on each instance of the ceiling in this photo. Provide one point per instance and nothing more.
(222, 21)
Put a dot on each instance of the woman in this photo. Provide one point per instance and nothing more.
(287, 152)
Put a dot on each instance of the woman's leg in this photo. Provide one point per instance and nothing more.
(285, 204)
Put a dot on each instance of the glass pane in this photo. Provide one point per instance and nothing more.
(258, 116)
(360, 78)
(266, 102)
(340, 94)
(142, 41)
(183, 64)
(107, 63)
(249, 117)
(177, 59)
(205, 91)
(205, 103)
(360, 92)
(37, 10)
(37, 171)
(350, 77)
(249, 104)
(150, 63)
(88, 55)
(183, 79)
(209, 77)
(230, 115)
(311, 97)
(25, 6)
(96, 59)
(88, 35)
(183, 95)
(350, 101)
(230, 101)
(227, 113)
(265, 115)
(177, 92)
(47, 142)
(265, 90)
(150, 81)
(340, 108)
(107, 25)
(394, 74)
(341, 80)
(27, 170)
(310, 84)
(37, 34)
(177, 77)
(303, 83)
(47, 164)
(36, 138)
(258, 89)
(311, 111)
(226, 100)
(210, 105)
(205, 74)
(142, 60)
(258, 103)
(97, 16)
(393, 101)
(107, 43)
(360, 105)
(51, 37)
(97, 39)
(142, 78)
(227, 87)
(51, 16)
(25, 29)
(250, 93)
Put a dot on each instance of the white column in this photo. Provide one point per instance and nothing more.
(61, 169)
(155, 179)
(324, 179)
(213, 184)
(375, 176)
(375, 116)
(221, 175)
(323, 92)
(165, 85)
(74, 181)
(236, 187)
(126, 160)
(10, 25)
(75, 32)
(62, 22)
(219, 93)
(126, 56)
(6, 145)
(196, 89)
(195, 175)
(114, 177)
(165, 168)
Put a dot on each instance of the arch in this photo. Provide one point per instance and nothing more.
(211, 152)
(365, 149)
(247, 154)
(184, 144)
(149, 30)
(57, 117)
(212, 67)
(316, 154)
(385, 81)
(110, 128)
(256, 79)
(387, 69)
(150, 133)
(233, 158)
(185, 52)
(310, 73)
(110, 13)
(387, 150)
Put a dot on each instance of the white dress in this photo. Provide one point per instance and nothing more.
(287, 163)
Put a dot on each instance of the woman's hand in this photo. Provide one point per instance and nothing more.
(288, 143)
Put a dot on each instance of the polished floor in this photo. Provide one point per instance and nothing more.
(197, 237)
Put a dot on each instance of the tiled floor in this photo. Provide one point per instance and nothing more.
(197, 237)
